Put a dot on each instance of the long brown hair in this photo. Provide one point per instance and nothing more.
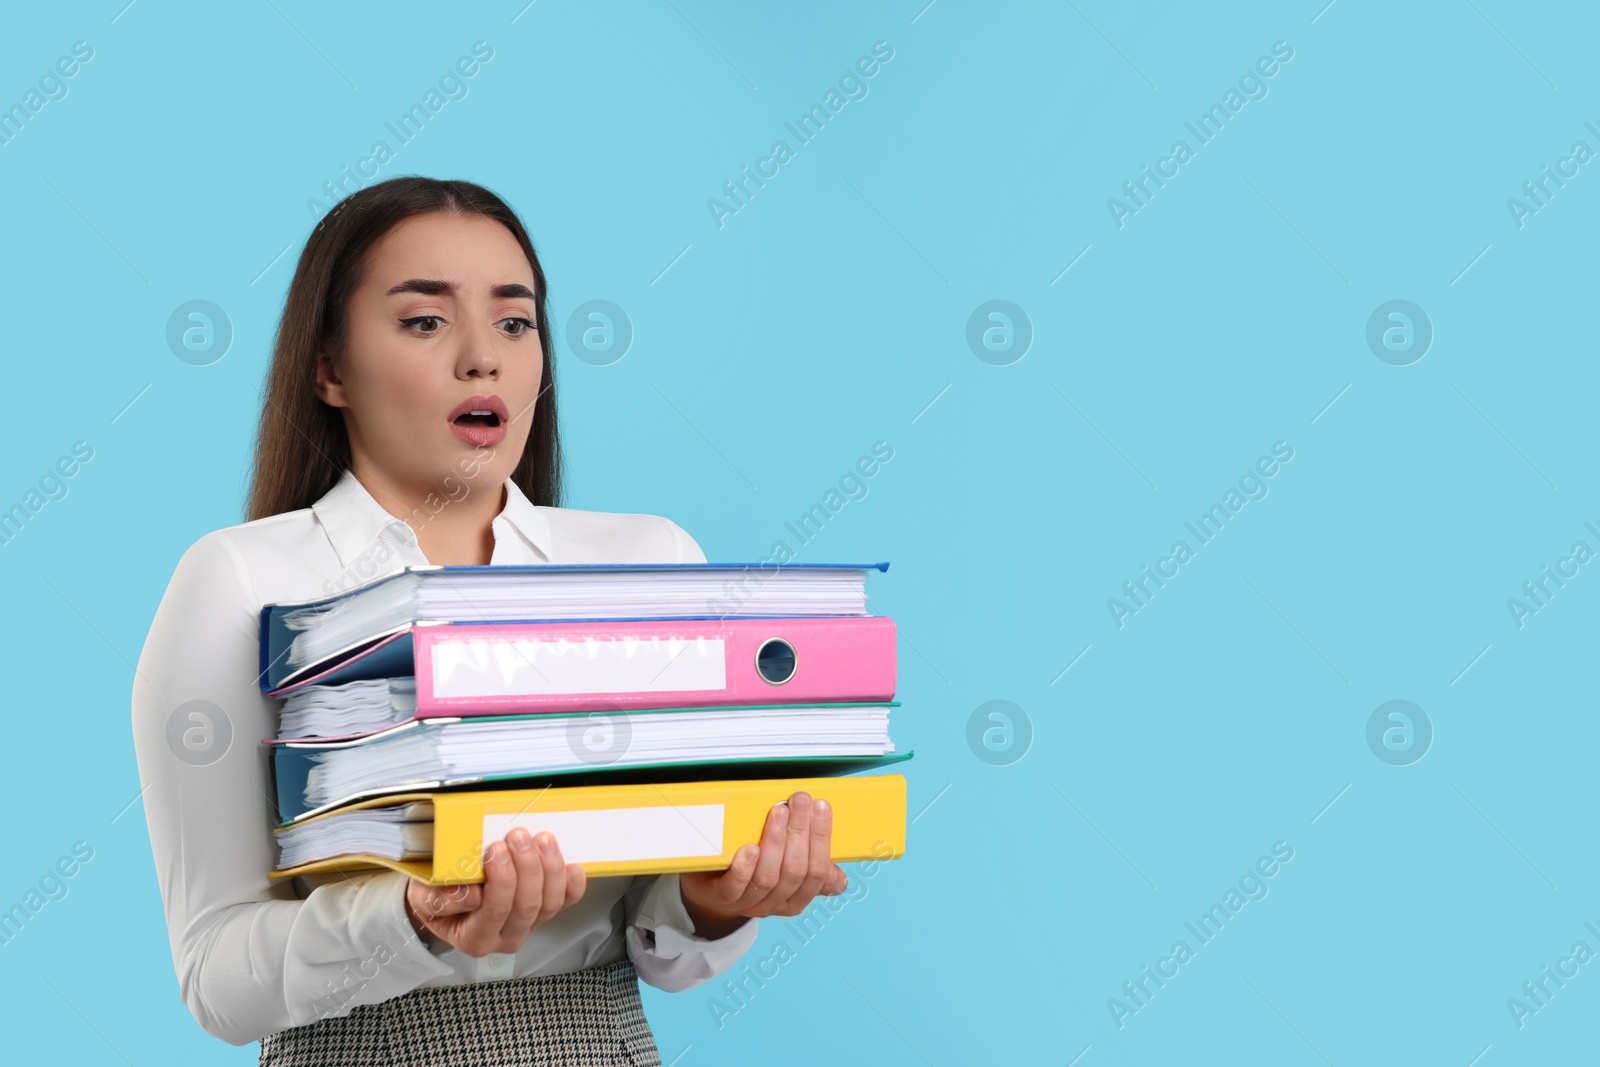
(302, 447)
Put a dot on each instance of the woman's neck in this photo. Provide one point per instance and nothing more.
(451, 531)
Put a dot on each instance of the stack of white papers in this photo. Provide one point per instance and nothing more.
(548, 593)
(425, 753)
(400, 832)
(351, 708)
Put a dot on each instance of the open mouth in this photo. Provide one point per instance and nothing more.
(480, 419)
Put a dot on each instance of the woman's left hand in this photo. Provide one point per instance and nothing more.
(781, 876)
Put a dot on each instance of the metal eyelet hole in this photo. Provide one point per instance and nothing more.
(775, 661)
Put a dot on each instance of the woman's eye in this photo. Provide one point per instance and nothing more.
(526, 325)
(422, 318)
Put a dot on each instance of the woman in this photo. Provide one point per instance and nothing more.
(410, 418)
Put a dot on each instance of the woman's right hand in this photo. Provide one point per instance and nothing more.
(524, 885)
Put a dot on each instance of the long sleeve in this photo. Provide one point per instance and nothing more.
(251, 959)
(661, 939)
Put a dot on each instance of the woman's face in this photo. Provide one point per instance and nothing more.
(445, 312)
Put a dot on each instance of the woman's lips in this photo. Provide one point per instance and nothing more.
(479, 436)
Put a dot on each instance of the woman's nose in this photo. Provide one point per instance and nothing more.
(477, 355)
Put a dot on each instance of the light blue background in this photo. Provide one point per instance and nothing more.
(1227, 315)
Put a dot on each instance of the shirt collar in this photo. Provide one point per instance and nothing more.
(527, 519)
(354, 521)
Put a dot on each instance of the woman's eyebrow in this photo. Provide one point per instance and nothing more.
(436, 287)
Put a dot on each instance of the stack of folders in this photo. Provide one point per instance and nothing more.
(649, 716)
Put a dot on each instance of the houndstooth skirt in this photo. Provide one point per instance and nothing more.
(578, 1019)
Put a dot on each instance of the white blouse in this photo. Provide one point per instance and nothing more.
(256, 955)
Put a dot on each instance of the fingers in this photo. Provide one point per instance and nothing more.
(741, 872)
(577, 882)
(521, 888)
(796, 861)
(430, 902)
(544, 885)
(731, 889)
(427, 905)
(555, 876)
(535, 883)
(816, 845)
(769, 865)
(459, 899)
(479, 932)
(790, 867)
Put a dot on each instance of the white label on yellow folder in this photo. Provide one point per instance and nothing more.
(478, 668)
(603, 835)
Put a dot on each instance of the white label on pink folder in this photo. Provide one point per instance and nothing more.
(666, 831)
(527, 667)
